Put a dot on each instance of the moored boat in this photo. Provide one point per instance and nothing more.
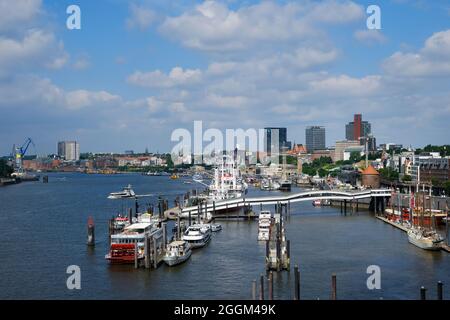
(177, 252)
(425, 239)
(264, 223)
(124, 244)
(216, 227)
(197, 235)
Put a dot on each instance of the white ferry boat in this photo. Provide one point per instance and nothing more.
(122, 248)
(197, 235)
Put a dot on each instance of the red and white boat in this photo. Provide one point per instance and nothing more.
(122, 249)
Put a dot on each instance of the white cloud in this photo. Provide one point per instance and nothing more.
(140, 17)
(370, 36)
(16, 14)
(37, 47)
(431, 60)
(158, 79)
(344, 85)
(79, 99)
(211, 26)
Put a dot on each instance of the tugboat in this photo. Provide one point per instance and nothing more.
(177, 252)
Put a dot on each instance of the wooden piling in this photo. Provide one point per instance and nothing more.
(288, 253)
(423, 293)
(333, 287)
(135, 256)
(178, 237)
(254, 290)
(270, 285)
(267, 254)
(261, 287)
(164, 229)
(147, 252)
(130, 216)
(440, 295)
(155, 255)
(296, 283)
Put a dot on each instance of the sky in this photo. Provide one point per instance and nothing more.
(138, 70)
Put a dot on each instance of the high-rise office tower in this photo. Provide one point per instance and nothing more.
(315, 138)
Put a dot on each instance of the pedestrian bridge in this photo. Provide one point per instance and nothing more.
(287, 199)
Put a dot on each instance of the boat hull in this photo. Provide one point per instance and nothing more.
(426, 244)
(195, 244)
(176, 260)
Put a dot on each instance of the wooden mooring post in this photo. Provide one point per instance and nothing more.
(147, 252)
(296, 283)
(135, 256)
(261, 287)
(270, 286)
(440, 295)
(254, 290)
(423, 293)
(333, 287)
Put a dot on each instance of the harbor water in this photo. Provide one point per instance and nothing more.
(43, 230)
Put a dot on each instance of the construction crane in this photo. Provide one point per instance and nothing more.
(19, 153)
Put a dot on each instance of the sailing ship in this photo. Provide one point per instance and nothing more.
(426, 238)
(227, 182)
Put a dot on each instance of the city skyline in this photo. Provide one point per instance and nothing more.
(148, 67)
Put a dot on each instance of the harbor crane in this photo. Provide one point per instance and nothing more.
(19, 152)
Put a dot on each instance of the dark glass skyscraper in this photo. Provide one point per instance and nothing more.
(270, 139)
(315, 138)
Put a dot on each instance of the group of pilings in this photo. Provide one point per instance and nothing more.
(154, 250)
(259, 292)
(278, 248)
(377, 205)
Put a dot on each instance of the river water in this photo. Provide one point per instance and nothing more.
(43, 231)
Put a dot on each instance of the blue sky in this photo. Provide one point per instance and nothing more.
(137, 70)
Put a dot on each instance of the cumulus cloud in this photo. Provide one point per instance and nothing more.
(158, 79)
(212, 26)
(140, 17)
(36, 48)
(433, 59)
(16, 14)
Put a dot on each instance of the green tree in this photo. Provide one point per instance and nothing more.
(355, 156)
(389, 174)
(322, 172)
(406, 178)
(446, 186)
(5, 169)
